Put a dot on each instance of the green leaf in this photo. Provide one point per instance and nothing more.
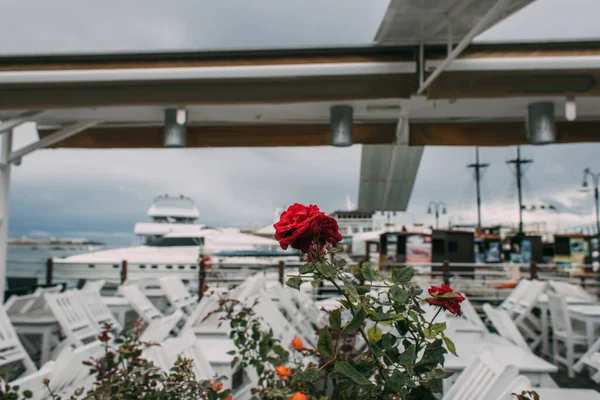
(364, 289)
(357, 321)
(306, 268)
(324, 343)
(345, 369)
(28, 394)
(402, 275)
(374, 334)
(294, 282)
(351, 290)
(439, 374)
(398, 294)
(396, 382)
(335, 320)
(449, 345)
(438, 327)
(408, 356)
(367, 272)
(308, 375)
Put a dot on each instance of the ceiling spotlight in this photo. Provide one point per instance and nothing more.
(175, 127)
(342, 120)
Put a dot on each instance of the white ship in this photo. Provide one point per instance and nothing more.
(173, 242)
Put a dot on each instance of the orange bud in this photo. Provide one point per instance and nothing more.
(216, 386)
(299, 396)
(298, 344)
(283, 372)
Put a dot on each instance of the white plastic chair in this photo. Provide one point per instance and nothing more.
(159, 326)
(515, 295)
(485, 377)
(71, 314)
(590, 359)
(11, 349)
(470, 314)
(95, 286)
(177, 294)
(186, 346)
(563, 332)
(522, 312)
(505, 326)
(571, 290)
(97, 311)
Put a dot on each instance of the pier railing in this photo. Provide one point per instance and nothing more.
(482, 282)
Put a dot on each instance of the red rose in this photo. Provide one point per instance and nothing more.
(300, 226)
(326, 230)
(295, 227)
(446, 297)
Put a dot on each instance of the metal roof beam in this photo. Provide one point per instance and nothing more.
(28, 116)
(483, 24)
(49, 140)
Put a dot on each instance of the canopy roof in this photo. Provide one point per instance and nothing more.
(439, 21)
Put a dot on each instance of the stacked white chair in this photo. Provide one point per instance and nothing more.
(97, 311)
(571, 290)
(505, 326)
(590, 359)
(95, 286)
(71, 314)
(564, 333)
(159, 326)
(177, 294)
(12, 351)
(485, 377)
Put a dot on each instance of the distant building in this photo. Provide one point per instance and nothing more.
(353, 222)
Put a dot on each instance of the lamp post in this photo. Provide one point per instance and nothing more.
(587, 173)
(436, 207)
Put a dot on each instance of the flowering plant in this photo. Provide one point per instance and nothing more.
(379, 344)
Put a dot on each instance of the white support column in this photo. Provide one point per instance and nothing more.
(4, 206)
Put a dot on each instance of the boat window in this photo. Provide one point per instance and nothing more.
(177, 242)
(154, 267)
(169, 267)
(182, 267)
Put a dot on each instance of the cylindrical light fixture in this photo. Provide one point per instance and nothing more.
(570, 109)
(341, 125)
(541, 127)
(175, 127)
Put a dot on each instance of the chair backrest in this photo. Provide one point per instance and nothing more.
(68, 370)
(530, 297)
(571, 290)
(11, 349)
(559, 313)
(140, 303)
(485, 377)
(187, 346)
(470, 313)
(18, 305)
(97, 311)
(516, 294)
(505, 326)
(269, 312)
(51, 289)
(177, 294)
(95, 286)
(72, 316)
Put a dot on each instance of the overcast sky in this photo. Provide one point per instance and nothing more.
(101, 194)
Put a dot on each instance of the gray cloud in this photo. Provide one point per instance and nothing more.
(101, 192)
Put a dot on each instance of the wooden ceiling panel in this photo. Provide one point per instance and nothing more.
(225, 136)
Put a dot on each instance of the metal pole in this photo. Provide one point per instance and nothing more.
(281, 272)
(446, 272)
(478, 188)
(437, 217)
(201, 277)
(519, 190)
(4, 205)
(123, 271)
(49, 271)
(597, 211)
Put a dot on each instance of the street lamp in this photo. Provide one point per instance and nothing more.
(587, 173)
(436, 207)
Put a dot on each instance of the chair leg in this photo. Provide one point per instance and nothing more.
(555, 354)
(570, 359)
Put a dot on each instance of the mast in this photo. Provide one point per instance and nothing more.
(477, 167)
(519, 162)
